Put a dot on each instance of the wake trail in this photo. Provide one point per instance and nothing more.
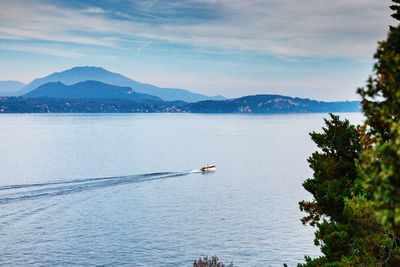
(11, 193)
(20, 186)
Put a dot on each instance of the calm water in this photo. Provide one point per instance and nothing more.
(154, 208)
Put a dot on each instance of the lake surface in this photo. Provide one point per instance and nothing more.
(154, 208)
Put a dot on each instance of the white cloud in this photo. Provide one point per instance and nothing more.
(45, 50)
(95, 10)
(310, 28)
(144, 45)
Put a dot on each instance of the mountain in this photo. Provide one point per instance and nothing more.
(11, 88)
(273, 104)
(258, 104)
(87, 90)
(80, 74)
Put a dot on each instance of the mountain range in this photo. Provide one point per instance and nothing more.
(263, 104)
(88, 90)
(81, 74)
(256, 104)
(94, 89)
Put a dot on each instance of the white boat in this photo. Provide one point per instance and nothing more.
(208, 168)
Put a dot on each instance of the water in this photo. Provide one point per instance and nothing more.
(125, 189)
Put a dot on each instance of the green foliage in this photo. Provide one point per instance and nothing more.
(356, 183)
(334, 168)
(371, 246)
(335, 179)
(396, 9)
(380, 167)
(347, 228)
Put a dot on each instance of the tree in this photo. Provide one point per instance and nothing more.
(380, 166)
(335, 179)
(396, 8)
(356, 207)
(213, 262)
(334, 170)
(348, 230)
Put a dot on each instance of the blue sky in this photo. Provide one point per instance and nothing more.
(321, 49)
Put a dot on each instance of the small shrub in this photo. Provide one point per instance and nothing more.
(213, 262)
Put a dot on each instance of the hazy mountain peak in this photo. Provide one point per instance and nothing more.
(83, 69)
(87, 67)
(84, 73)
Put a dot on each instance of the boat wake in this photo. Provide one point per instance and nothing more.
(13, 193)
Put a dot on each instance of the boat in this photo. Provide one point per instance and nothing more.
(208, 168)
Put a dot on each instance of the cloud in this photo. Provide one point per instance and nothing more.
(144, 45)
(44, 50)
(286, 28)
(95, 10)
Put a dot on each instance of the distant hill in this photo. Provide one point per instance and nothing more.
(80, 74)
(87, 90)
(11, 88)
(257, 104)
(273, 104)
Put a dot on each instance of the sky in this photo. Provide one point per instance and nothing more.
(319, 49)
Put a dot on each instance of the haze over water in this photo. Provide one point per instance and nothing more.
(124, 189)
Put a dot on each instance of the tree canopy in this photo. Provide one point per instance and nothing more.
(356, 181)
(381, 133)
